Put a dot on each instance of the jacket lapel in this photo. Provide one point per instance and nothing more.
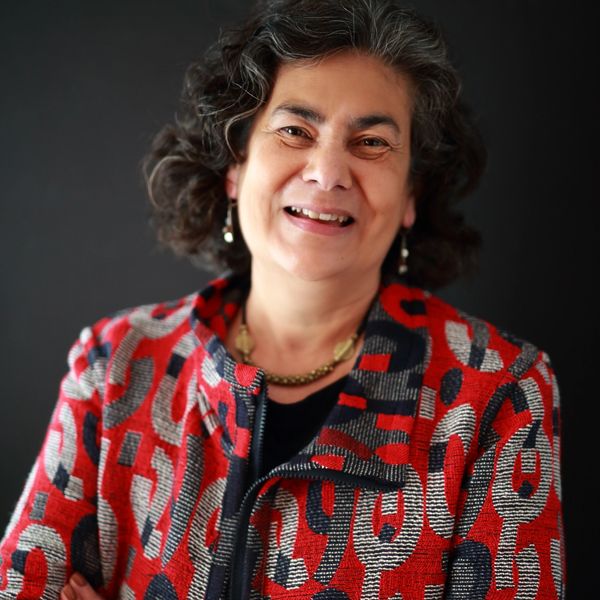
(368, 432)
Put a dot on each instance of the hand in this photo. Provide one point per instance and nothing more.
(79, 589)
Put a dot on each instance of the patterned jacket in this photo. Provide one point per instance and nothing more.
(436, 474)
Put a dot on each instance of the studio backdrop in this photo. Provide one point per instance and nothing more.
(85, 86)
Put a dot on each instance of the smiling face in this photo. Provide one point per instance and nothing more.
(325, 185)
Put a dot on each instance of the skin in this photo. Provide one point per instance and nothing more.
(79, 589)
(325, 142)
(334, 136)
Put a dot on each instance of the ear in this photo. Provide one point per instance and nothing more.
(231, 181)
(410, 212)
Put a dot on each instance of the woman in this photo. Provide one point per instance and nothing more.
(314, 424)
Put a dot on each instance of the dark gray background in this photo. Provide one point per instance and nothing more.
(84, 87)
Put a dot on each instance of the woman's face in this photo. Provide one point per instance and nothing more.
(325, 185)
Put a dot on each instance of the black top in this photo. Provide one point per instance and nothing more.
(290, 427)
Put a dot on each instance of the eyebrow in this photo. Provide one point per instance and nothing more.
(375, 119)
(300, 111)
(314, 116)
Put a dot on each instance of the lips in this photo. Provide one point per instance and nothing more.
(327, 217)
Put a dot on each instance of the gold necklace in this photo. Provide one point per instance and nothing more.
(343, 351)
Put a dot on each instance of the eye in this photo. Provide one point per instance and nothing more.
(370, 147)
(293, 131)
(294, 136)
(373, 142)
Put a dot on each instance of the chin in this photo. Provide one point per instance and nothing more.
(313, 268)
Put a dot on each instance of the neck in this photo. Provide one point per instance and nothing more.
(296, 322)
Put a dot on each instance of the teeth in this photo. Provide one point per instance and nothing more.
(311, 214)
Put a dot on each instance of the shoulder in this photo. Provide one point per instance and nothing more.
(163, 331)
(159, 319)
(457, 337)
(475, 377)
(152, 320)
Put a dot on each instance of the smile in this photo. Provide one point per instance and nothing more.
(322, 217)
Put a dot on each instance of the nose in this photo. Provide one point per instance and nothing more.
(327, 165)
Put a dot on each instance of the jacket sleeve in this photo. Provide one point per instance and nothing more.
(508, 540)
(53, 530)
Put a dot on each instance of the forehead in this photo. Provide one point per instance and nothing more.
(343, 85)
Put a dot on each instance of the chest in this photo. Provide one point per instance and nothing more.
(188, 518)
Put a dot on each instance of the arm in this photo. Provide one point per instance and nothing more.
(53, 530)
(508, 542)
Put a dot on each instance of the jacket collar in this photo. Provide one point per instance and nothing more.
(368, 432)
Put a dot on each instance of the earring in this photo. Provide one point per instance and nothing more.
(403, 266)
(228, 229)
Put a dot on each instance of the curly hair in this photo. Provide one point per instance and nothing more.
(186, 168)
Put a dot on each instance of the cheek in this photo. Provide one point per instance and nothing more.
(384, 182)
(255, 207)
(387, 200)
(266, 175)
(398, 194)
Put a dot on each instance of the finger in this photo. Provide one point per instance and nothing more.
(79, 589)
(68, 593)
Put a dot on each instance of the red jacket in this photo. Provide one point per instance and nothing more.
(436, 474)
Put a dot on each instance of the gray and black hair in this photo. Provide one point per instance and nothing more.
(224, 90)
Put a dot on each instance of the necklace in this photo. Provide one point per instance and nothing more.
(343, 351)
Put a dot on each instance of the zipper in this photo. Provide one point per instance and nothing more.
(238, 559)
(239, 580)
(258, 434)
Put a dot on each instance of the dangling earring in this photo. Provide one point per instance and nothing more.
(228, 229)
(403, 266)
